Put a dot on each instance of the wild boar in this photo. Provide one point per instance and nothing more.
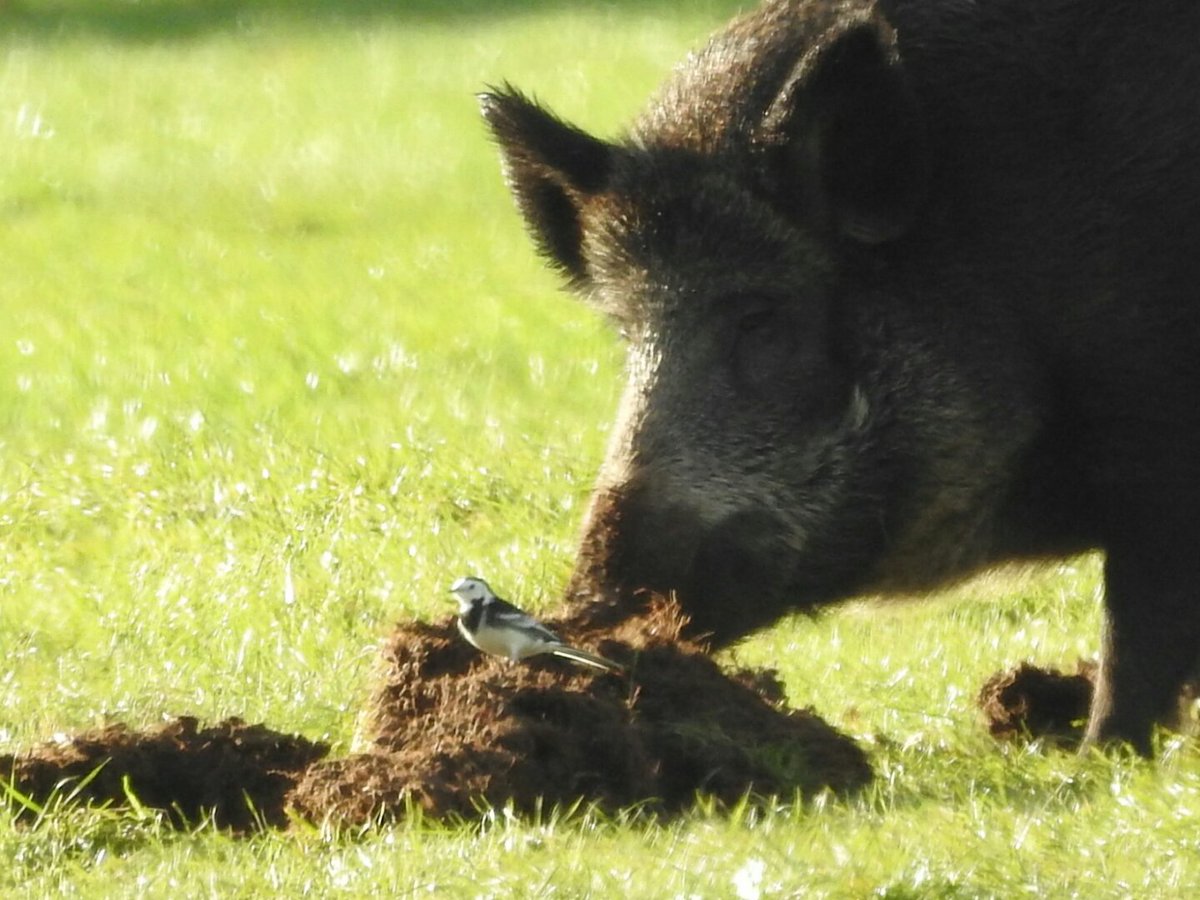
(910, 289)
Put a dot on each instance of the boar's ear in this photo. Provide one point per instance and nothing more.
(551, 167)
(846, 139)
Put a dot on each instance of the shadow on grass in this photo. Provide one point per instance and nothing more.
(165, 20)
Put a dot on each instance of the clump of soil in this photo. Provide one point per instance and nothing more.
(239, 774)
(1033, 702)
(451, 732)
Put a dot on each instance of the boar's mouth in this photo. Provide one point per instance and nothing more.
(731, 577)
(740, 577)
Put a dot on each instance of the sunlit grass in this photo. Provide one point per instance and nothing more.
(273, 321)
(278, 363)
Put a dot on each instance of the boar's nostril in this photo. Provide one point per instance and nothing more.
(636, 539)
(656, 549)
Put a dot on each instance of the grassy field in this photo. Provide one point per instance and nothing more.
(278, 363)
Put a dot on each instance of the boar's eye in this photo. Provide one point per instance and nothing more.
(765, 347)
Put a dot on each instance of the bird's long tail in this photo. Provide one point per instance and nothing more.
(585, 658)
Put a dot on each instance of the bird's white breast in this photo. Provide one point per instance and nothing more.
(504, 642)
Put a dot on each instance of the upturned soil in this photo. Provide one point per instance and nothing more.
(451, 732)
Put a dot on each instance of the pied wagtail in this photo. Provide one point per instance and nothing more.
(497, 627)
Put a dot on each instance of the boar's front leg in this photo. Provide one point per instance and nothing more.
(1151, 641)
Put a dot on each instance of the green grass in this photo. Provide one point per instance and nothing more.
(277, 363)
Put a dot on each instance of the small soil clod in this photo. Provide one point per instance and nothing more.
(1035, 702)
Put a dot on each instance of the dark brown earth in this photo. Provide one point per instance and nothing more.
(1033, 702)
(452, 732)
(239, 774)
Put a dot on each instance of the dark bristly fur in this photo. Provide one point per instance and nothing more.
(910, 291)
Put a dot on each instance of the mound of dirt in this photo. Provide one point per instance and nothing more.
(451, 732)
(239, 774)
(1033, 702)
(450, 727)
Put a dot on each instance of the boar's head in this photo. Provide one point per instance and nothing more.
(790, 433)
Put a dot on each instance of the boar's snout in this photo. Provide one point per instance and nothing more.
(729, 573)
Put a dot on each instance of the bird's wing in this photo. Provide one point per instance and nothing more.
(507, 615)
